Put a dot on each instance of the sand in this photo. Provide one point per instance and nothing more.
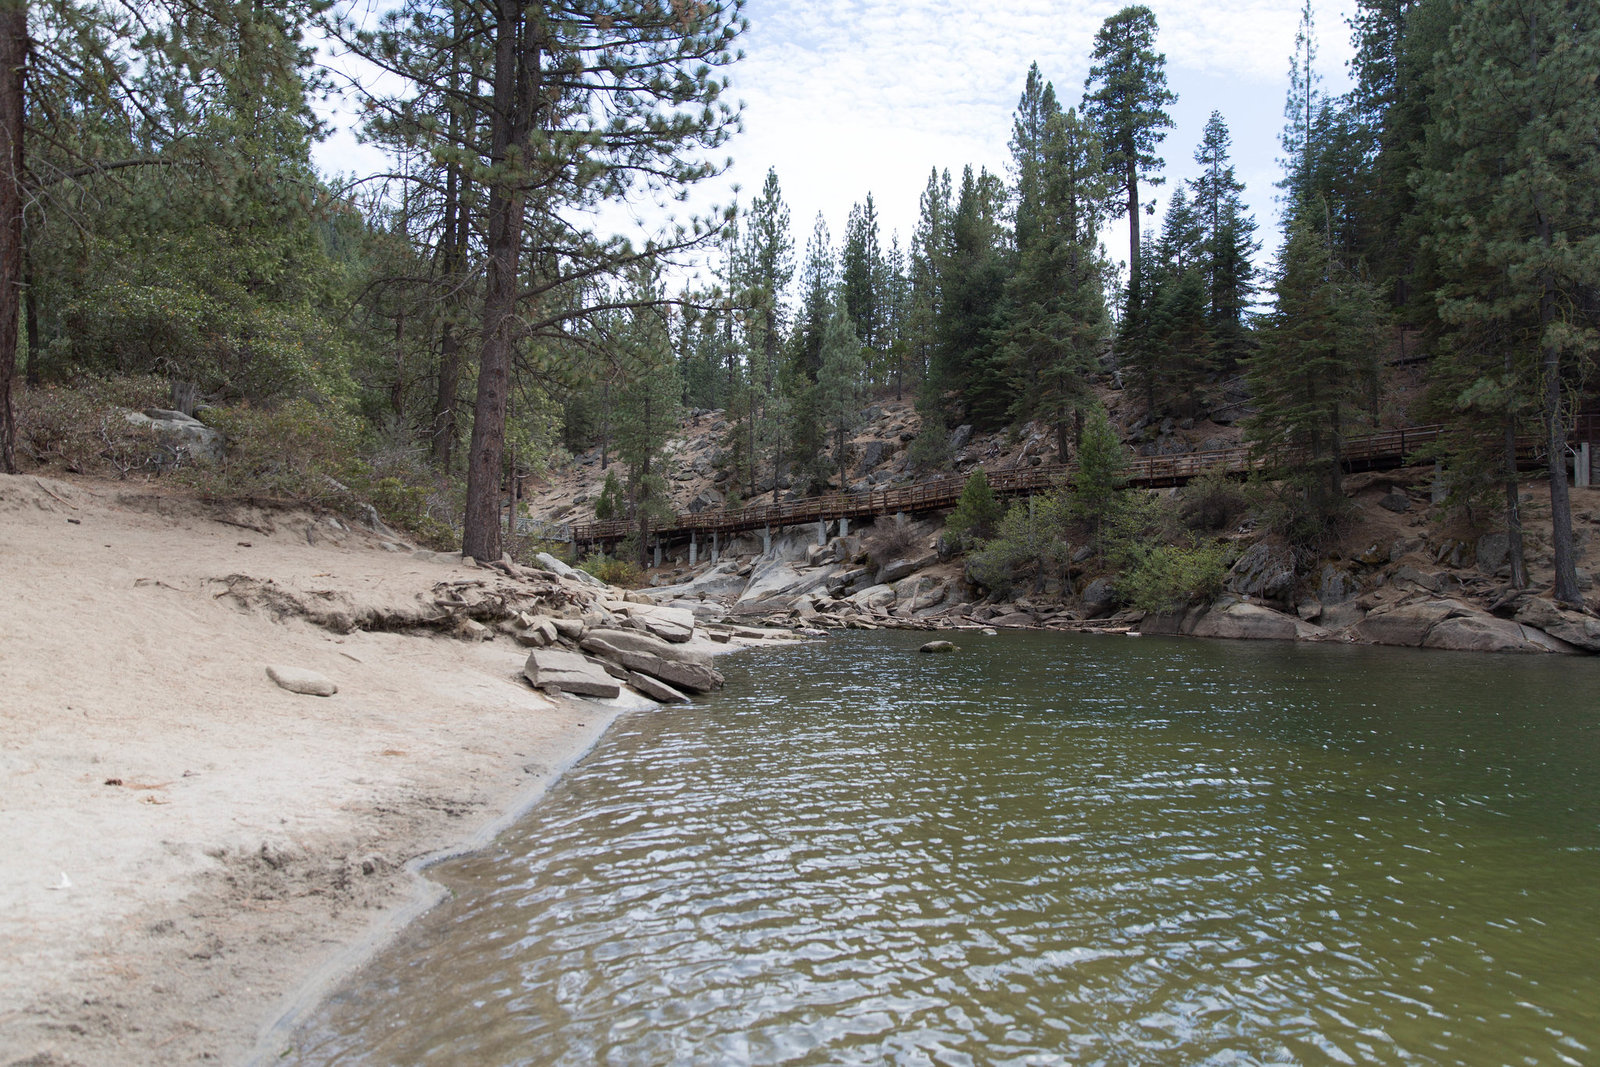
(191, 853)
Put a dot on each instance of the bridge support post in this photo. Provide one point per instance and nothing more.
(822, 531)
(714, 553)
(1581, 469)
(766, 541)
(844, 526)
(658, 552)
(1439, 490)
(694, 551)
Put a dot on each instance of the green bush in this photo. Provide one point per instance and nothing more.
(1031, 538)
(622, 572)
(1170, 577)
(976, 514)
(611, 504)
(1213, 503)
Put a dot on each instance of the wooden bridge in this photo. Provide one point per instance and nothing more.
(1379, 451)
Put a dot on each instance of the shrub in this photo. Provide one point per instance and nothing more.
(976, 514)
(1212, 503)
(1030, 538)
(1170, 577)
(623, 572)
(891, 538)
(82, 428)
(931, 448)
(610, 504)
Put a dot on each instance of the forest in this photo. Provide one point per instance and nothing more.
(416, 337)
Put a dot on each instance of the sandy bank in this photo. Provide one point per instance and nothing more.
(186, 844)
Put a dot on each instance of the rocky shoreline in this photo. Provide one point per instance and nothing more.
(1393, 597)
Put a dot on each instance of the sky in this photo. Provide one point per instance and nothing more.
(846, 97)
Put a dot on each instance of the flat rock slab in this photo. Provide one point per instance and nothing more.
(300, 680)
(656, 689)
(569, 672)
(639, 641)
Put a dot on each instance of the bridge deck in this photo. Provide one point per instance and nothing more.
(1379, 451)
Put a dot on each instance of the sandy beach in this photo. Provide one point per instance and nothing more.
(192, 854)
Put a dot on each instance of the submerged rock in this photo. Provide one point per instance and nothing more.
(937, 646)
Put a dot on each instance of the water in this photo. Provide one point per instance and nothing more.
(1042, 849)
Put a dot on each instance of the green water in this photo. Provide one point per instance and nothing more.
(1042, 849)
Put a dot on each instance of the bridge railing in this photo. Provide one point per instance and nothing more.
(945, 490)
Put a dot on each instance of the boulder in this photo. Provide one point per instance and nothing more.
(302, 681)
(875, 596)
(1014, 618)
(1493, 550)
(1237, 619)
(1099, 598)
(670, 624)
(182, 432)
(1395, 501)
(937, 646)
(1405, 574)
(695, 676)
(1573, 627)
(960, 436)
(1265, 571)
(635, 641)
(1483, 633)
(1340, 616)
(656, 689)
(550, 563)
(553, 668)
(895, 570)
(1335, 586)
(1406, 625)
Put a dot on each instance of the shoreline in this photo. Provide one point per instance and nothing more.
(196, 856)
(424, 895)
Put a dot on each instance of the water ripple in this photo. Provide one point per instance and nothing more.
(1043, 850)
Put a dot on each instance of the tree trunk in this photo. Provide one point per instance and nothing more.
(452, 267)
(13, 74)
(519, 40)
(1566, 590)
(1133, 234)
(30, 315)
(1514, 553)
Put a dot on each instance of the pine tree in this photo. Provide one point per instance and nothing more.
(1317, 361)
(861, 273)
(839, 384)
(656, 69)
(1126, 97)
(648, 401)
(1227, 244)
(1514, 194)
(967, 359)
(1029, 133)
(1057, 316)
(817, 283)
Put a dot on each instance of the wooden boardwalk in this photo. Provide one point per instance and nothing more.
(1379, 451)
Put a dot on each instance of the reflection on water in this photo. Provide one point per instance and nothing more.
(1043, 849)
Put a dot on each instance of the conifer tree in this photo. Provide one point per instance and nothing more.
(861, 274)
(839, 384)
(1514, 195)
(1126, 97)
(1057, 315)
(1228, 244)
(1317, 360)
(648, 400)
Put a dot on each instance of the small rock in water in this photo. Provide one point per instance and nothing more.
(937, 646)
(300, 680)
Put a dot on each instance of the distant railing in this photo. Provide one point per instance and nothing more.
(1367, 452)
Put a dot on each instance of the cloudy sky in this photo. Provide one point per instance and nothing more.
(844, 97)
